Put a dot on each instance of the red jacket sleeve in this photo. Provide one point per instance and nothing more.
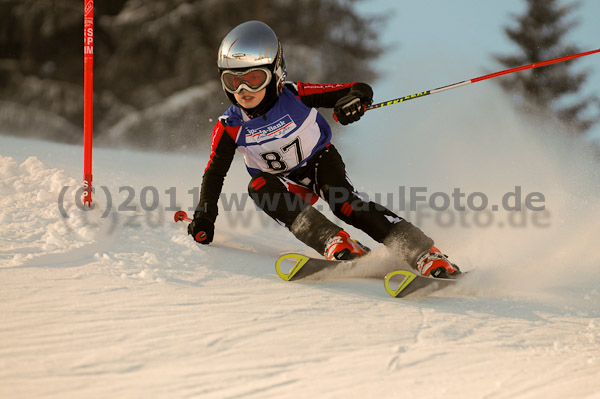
(326, 94)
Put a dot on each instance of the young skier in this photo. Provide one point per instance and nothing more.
(287, 151)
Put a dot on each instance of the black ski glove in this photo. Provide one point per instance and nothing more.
(202, 229)
(351, 107)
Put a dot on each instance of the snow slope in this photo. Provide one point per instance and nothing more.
(123, 303)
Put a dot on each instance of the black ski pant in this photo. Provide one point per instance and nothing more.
(326, 177)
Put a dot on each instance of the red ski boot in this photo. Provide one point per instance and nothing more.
(342, 247)
(437, 265)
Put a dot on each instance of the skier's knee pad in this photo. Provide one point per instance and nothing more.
(264, 182)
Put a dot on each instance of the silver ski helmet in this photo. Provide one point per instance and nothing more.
(253, 45)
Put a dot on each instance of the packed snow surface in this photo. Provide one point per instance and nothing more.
(119, 302)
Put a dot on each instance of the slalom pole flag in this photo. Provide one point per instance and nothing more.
(479, 79)
(88, 107)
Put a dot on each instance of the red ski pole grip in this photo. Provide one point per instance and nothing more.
(201, 236)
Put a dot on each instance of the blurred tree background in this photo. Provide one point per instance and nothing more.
(156, 85)
(553, 91)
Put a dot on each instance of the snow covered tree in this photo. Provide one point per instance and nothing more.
(540, 35)
(149, 55)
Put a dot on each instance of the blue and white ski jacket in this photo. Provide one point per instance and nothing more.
(282, 140)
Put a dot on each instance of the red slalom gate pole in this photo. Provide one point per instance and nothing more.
(88, 99)
(479, 79)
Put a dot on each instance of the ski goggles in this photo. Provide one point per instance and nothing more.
(253, 80)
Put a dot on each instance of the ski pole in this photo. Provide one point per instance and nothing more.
(181, 216)
(479, 79)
